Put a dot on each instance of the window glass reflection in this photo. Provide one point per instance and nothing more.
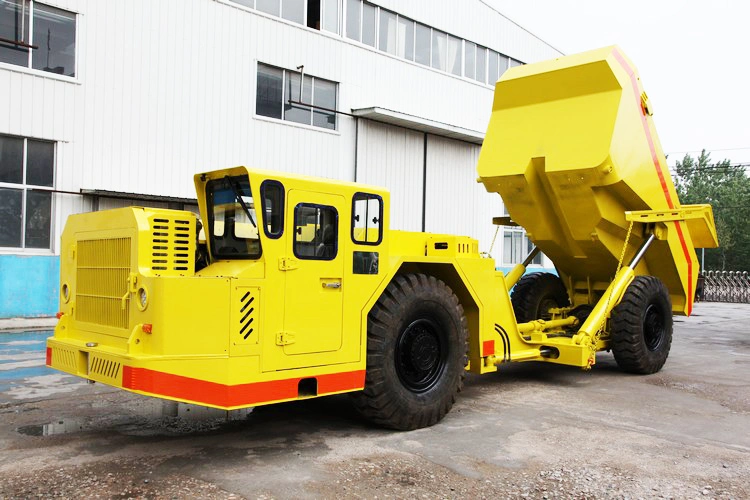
(325, 97)
(268, 6)
(10, 217)
(388, 33)
(40, 159)
(38, 219)
(11, 159)
(353, 19)
(293, 10)
(269, 94)
(470, 49)
(296, 112)
(12, 29)
(423, 44)
(454, 55)
(405, 38)
(55, 37)
(369, 21)
(481, 75)
(331, 15)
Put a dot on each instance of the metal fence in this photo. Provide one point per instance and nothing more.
(724, 286)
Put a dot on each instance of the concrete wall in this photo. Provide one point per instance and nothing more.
(29, 285)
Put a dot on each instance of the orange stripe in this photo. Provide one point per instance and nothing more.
(660, 173)
(202, 391)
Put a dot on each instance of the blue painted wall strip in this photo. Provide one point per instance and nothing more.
(29, 285)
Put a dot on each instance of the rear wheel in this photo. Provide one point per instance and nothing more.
(416, 354)
(642, 326)
(535, 294)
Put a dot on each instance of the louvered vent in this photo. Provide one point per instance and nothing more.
(172, 244)
(248, 306)
(102, 279)
(65, 359)
(467, 246)
(104, 370)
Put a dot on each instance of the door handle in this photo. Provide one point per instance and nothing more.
(335, 284)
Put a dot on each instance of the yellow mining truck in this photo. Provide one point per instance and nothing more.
(299, 287)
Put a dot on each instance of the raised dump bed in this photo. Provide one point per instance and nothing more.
(572, 149)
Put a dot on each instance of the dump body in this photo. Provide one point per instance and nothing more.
(571, 147)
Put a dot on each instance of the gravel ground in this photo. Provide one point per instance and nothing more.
(530, 431)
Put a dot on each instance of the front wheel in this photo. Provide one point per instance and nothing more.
(416, 354)
(642, 326)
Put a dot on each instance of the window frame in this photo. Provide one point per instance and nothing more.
(25, 187)
(263, 185)
(28, 67)
(526, 243)
(310, 106)
(212, 221)
(361, 195)
(336, 232)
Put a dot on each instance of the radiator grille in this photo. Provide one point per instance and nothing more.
(172, 245)
(102, 282)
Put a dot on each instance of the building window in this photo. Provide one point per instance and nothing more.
(439, 41)
(37, 36)
(516, 246)
(26, 183)
(423, 42)
(481, 65)
(316, 14)
(407, 39)
(279, 96)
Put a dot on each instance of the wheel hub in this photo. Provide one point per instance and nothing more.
(420, 355)
(653, 327)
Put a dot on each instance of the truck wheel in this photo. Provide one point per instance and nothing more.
(416, 354)
(535, 294)
(642, 326)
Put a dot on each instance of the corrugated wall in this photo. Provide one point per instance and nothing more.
(456, 203)
(394, 157)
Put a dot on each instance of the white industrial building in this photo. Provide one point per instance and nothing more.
(117, 102)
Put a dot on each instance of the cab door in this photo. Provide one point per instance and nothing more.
(314, 269)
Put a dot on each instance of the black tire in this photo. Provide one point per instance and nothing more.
(641, 329)
(416, 354)
(535, 294)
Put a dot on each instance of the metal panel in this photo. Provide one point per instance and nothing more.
(394, 157)
(455, 202)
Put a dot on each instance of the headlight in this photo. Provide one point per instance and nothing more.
(65, 292)
(142, 298)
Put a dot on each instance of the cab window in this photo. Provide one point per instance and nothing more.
(272, 193)
(315, 232)
(232, 218)
(367, 219)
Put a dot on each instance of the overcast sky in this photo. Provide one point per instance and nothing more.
(693, 57)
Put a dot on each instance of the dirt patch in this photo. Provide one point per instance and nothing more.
(409, 476)
(115, 479)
